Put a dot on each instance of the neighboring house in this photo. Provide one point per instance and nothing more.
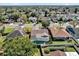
(19, 19)
(33, 19)
(59, 33)
(39, 36)
(76, 32)
(70, 30)
(78, 18)
(15, 33)
(8, 21)
(73, 31)
(54, 19)
(41, 13)
(45, 18)
(21, 25)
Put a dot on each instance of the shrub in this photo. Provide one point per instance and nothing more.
(50, 42)
(46, 51)
(51, 49)
(69, 40)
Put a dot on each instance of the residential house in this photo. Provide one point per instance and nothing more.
(39, 36)
(76, 32)
(73, 31)
(15, 33)
(54, 18)
(70, 30)
(59, 33)
(33, 19)
(8, 21)
(45, 19)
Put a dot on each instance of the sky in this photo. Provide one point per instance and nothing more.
(37, 2)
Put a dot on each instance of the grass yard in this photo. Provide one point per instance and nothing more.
(78, 42)
(37, 52)
(63, 42)
(70, 49)
(46, 51)
(8, 29)
(52, 48)
(1, 41)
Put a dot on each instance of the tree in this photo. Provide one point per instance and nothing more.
(33, 15)
(19, 46)
(75, 10)
(28, 28)
(45, 24)
(24, 18)
(3, 18)
(74, 22)
(60, 21)
(46, 13)
(14, 16)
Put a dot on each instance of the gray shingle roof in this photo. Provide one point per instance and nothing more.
(15, 34)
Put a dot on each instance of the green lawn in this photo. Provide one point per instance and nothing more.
(70, 49)
(1, 41)
(52, 47)
(66, 49)
(8, 29)
(78, 42)
(37, 52)
(63, 42)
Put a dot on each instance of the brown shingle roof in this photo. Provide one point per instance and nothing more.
(59, 32)
(39, 32)
(57, 53)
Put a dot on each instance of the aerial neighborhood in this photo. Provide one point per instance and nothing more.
(39, 31)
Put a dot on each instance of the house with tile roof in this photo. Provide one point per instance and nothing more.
(59, 33)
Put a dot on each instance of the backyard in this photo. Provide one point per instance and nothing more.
(47, 50)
